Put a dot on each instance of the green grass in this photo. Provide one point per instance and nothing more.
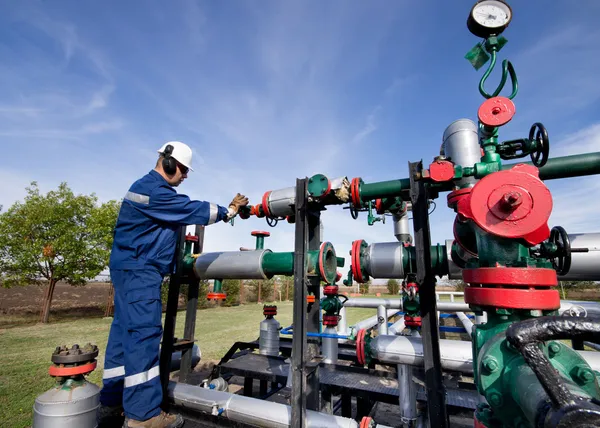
(25, 351)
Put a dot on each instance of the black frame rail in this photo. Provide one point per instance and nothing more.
(436, 391)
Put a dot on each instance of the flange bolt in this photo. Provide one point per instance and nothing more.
(490, 364)
(554, 349)
(584, 375)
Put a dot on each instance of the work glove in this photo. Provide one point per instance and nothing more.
(238, 201)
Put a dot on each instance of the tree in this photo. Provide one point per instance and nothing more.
(364, 287)
(393, 286)
(55, 237)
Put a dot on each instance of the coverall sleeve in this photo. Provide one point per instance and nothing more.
(168, 206)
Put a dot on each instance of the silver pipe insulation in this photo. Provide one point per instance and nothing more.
(466, 322)
(456, 355)
(251, 411)
(231, 265)
(382, 320)
(370, 322)
(329, 347)
(460, 144)
(374, 302)
(408, 392)
(397, 327)
(342, 327)
(402, 227)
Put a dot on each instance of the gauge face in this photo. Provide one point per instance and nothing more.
(489, 17)
(491, 14)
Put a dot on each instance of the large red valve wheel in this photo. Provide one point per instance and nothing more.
(513, 203)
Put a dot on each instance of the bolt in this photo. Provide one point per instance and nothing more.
(584, 374)
(490, 364)
(554, 349)
(496, 110)
(510, 201)
(495, 399)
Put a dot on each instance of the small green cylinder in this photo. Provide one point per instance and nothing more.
(260, 242)
(218, 286)
(278, 264)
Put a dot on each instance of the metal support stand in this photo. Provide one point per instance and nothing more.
(167, 346)
(191, 311)
(299, 343)
(314, 316)
(436, 392)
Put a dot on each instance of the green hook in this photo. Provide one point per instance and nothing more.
(507, 68)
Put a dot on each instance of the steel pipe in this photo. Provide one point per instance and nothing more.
(330, 346)
(370, 322)
(397, 327)
(382, 327)
(456, 355)
(579, 308)
(231, 265)
(246, 410)
(567, 166)
(373, 302)
(466, 322)
(584, 266)
(402, 227)
(386, 260)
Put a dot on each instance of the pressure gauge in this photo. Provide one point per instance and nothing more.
(489, 18)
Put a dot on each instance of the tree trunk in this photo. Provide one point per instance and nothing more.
(259, 290)
(110, 307)
(241, 291)
(45, 315)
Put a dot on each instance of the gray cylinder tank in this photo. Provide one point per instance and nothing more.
(268, 342)
(584, 266)
(69, 404)
(461, 146)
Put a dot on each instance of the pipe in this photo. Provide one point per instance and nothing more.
(231, 265)
(373, 302)
(397, 327)
(455, 355)
(330, 346)
(594, 346)
(246, 410)
(584, 266)
(402, 227)
(370, 322)
(342, 326)
(567, 166)
(466, 322)
(460, 143)
(579, 307)
(382, 320)
(289, 331)
(176, 358)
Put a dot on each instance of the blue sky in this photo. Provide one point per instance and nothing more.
(267, 91)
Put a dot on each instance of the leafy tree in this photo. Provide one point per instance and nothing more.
(55, 237)
(231, 287)
(393, 286)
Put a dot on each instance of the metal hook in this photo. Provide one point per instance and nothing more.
(507, 68)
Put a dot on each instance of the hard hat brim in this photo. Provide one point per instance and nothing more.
(187, 166)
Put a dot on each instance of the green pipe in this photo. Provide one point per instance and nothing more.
(384, 189)
(568, 166)
(260, 242)
(218, 286)
(278, 264)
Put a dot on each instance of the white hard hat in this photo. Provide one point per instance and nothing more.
(181, 153)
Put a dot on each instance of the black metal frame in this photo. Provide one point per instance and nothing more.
(436, 391)
(169, 345)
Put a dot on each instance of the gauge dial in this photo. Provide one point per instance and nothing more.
(489, 17)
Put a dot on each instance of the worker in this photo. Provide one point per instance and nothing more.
(142, 254)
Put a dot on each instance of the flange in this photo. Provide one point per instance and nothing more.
(496, 111)
(216, 296)
(513, 203)
(75, 354)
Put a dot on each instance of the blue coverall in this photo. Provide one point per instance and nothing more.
(142, 254)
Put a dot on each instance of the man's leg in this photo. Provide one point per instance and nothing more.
(111, 395)
(142, 395)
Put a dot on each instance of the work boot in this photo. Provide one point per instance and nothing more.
(164, 420)
(110, 416)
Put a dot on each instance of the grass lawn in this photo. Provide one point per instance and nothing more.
(25, 351)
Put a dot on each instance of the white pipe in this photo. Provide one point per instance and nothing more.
(251, 411)
(466, 322)
(342, 326)
(456, 355)
(373, 302)
(382, 321)
(370, 322)
(397, 327)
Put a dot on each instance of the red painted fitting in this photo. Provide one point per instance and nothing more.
(331, 290)
(355, 192)
(355, 260)
(365, 422)
(496, 111)
(512, 288)
(269, 310)
(310, 298)
(331, 320)
(379, 206)
(56, 371)
(258, 211)
(216, 296)
(454, 197)
(360, 347)
(440, 171)
(412, 321)
(512, 204)
(259, 233)
(191, 238)
(338, 276)
(265, 203)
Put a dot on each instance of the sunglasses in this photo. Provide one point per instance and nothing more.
(184, 169)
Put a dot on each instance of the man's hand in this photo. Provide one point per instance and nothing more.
(238, 201)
